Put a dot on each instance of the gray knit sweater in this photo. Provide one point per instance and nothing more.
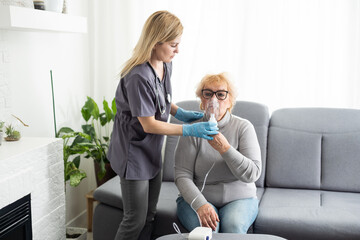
(234, 173)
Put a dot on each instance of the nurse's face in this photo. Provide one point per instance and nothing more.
(223, 104)
(166, 51)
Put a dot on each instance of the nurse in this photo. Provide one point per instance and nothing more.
(143, 101)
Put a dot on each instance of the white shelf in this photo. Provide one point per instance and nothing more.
(25, 144)
(19, 18)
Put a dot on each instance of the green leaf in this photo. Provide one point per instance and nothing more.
(69, 135)
(78, 139)
(16, 134)
(89, 130)
(90, 109)
(95, 154)
(95, 110)
(103, 119)
(76, 178)
(87, 109)
(113, 107)
(108, 112)
(76, 161)
(87, 146)
(64, 130)
(86, 136)
(78, 149)
(68, 169)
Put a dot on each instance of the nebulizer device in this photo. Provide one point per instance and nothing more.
(212, 110)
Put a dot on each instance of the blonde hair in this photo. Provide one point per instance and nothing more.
(218, 78)
(160, 27)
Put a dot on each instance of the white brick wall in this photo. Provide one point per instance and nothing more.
(5, 101)
(35, 165)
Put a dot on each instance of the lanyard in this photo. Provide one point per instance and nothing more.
(168, 96)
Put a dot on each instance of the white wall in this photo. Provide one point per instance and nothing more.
(295, 53)
(26, 58)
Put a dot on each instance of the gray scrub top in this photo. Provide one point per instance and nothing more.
(134, 154)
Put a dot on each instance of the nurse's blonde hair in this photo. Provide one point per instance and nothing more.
(217, 78)
(160, 27)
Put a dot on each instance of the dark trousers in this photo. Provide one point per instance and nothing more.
(139, 204)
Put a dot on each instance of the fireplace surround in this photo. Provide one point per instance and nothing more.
(15, 220)
(35, 166)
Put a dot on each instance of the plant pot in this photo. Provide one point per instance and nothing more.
(54, 5)
(12, 139)
(1, 137)
(75, 233)
(108, 175)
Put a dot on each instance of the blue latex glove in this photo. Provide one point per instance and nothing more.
(201, 129)
(187, 116)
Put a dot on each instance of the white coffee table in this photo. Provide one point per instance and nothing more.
(225, 236)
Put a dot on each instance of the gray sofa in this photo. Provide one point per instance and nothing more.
(309, 187)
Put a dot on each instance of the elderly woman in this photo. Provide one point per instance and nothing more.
(216, 178)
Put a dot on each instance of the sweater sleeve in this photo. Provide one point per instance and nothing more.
(185, 155)
(245, 162)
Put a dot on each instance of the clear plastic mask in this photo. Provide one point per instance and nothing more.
(212, 109)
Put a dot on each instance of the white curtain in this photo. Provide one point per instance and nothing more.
(282, 53)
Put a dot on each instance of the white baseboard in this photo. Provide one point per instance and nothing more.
(78, 221)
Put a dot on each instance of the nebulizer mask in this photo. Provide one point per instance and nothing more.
(212, 110)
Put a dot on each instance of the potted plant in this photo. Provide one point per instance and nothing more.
(75, 233)
(72, 147)
(11, 133)
(1, 131)
(93, 141)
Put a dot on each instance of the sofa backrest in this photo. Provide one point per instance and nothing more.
(256, 113)
(314, 148)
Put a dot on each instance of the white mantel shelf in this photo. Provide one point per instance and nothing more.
(24, 145)
(19, 18)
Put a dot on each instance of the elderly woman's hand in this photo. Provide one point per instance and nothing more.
(219, 143)
(208, 217)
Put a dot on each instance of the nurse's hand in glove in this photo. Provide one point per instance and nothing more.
(187, 116)
(201, 129)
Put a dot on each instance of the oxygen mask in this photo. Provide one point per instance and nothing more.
(212, 110)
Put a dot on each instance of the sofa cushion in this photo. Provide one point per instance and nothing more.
(169, 157)
(110, 193)
(309, 214)
(260, 192)
(294, 159)
(341, 162)
(315, 148)
(321, 120)
(106, 221)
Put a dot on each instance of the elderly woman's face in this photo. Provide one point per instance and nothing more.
(223, 104)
